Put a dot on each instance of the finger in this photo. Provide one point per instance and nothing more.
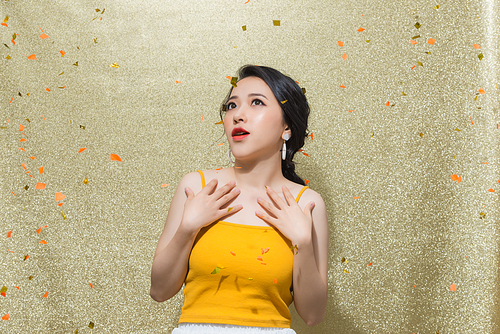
(189, 193)
(224, 189)
(272, 210)
(210, 187)
(266, 218)
(274, 196)
(288, 196)
(228, 197)
(309, 208)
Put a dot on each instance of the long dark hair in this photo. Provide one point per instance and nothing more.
(295, 110)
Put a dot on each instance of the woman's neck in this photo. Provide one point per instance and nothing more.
(258, 174)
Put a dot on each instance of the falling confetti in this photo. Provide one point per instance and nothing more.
(455, 177)
(276, 23)
(43, 35)
(232, 253)
(431, 41)
(361, 29)
(215, 271)
(233, 81)
(5, 317)
(9, 234)
(115, 157)
(59, 196)
(32, 57)
(43, 242)
(341, 44)
(417, 25)
(491, 190)
(82, 149)
(115, 65)
(244, 28)
(40, 185)
(476, 46)
(91, 325)
(453, 287)
(344, 56)
(480, 56)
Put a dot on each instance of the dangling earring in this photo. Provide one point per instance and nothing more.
(229, 156)
(283, 151)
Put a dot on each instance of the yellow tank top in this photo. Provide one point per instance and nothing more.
(239, 275)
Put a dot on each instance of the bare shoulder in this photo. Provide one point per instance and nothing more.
(192, 180)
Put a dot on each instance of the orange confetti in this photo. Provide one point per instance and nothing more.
(350, 110)
(247, 2)
(356, 197)
(3, 294)
(341, 44)
(453, 287)
(4, 24)
(342, 86)
(10, 251)
(23, 166)
(232, 253)
(9, 234)
(265, 250)
(220, 144)
(481, 91)
(39, 230)
(13, 193)
(388, 103)
(12, 99)
(46, 294)
(361, 29)
(471, 120)
(413, 42)
(312, 136)
(40, 170)
(44, 36)
(229, 77)
(412, 67)
(59, 197)
(40, 185)
(22, 149)
(344, 56)
(306, 181)
(455, 177)
(26, 257)
(21, 127)
(43, 117)
(259, 258)
(43, 242)
(82, 149)
(91, 286)
(47, 89)
(369, 264)
(115, 157)
(263, 263)
(22, 139)
(176, 81)
(275, 281)
(32, 57)
(60, 204)
(491, 190)
(431, 41)
(62, 53)
(476, 46)
(32, 158)
(5, 317)
(165, 185)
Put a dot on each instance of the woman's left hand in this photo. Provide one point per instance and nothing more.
(287, 217)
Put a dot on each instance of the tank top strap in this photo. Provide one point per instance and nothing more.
(202, 178)
(300, 193)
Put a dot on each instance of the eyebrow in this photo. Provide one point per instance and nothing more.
(251, 94)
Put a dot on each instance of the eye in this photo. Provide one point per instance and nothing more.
(231, 105)
(258, 102)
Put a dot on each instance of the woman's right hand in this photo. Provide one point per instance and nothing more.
(208, 205)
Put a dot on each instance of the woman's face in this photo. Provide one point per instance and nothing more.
(253, 122)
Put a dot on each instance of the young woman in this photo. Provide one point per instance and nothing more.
(254, 238)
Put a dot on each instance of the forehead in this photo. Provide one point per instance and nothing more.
(251, 85)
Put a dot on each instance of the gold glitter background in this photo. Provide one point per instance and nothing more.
(408, 230)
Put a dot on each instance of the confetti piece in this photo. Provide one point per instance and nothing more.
(413, 42)
(421, 135)
(412, 67)
(32, 158)
(275, 281)
(341, 44)
(43, 242)
(220, 144)
(431, 41)
(361, 29)
(21, 127)
(350, 110)
(264, 250)
(417, 25)
(263, 263)
(32, 57)
(26, 187)
(30, 278)
(247, 2)
(9, 234)
(344, 56)
(403, 93)
(345, 271)
(115, 157)
(39, 230)
(303, 90)
(276, 23)
(165, 185)
(43, 35)
(306, 181)
(115, 65)
(26, 257)
(356, 197)
(420, 63)
(232, 253)
(455, 177)
(177, 82)
(59, 196)
(40, 170)
(244, 28)
(85, 181)
(480, 56)
(344, 260)
(471, 120)
(251, 279)
(367, 41)
(491, 190)
(62, 55)
(369, 264)
(259, 258)
(481, 91)
(453, 287)
(482, 215)
(229, 209)
(76, 64)
(342, 86)
(215, 271)
(82, 149)
(91, 325)
(64, 216)
(436, 7)
(388, 103)
(476, 46)
(233, 81)
(60, 204)
(5, 317)
(311, 135)
(283, 102)
(91, 286)
(47, 89)
(221, 122)
(40, 185)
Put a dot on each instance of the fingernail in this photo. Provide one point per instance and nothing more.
(312, 205)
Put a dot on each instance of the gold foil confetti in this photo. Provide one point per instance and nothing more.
(115, 65)
(276, 23)
(344, 260)
(233, 81)
(85, 181)
(436, 7)
(26, 187)
(421, 135)
(345, 271)
(95, 40)
(82, 127)
(283, 102)
(221, 122)
(8, 57)
(3, 289)
(76, 64)
(30, 278)
(91, 325)
(244, 28)
(64, 216)
(26, 257)
(404, 94)
(482, 215)
(417, 25)
(415, 37)
(368, 41)
(229, 209)
(420, 63)
(303, 90)
(215, 271)
(480, 56)
(61, 73)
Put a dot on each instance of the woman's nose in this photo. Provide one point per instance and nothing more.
(239, 115)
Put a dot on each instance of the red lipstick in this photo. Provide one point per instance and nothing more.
(239, 133)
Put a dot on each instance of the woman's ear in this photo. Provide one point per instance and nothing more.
(287, 133)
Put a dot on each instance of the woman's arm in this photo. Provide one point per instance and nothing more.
(187, 215)
(310, 267)
(307, 230)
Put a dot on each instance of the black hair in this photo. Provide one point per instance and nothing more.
(294, 107)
